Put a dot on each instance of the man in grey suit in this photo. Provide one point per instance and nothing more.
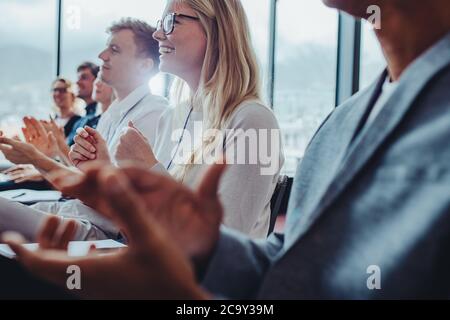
(369, 215)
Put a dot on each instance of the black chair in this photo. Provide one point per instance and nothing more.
(280, 200)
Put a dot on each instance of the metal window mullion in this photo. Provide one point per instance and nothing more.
(349, 56)
(272, 52)
(58, 36)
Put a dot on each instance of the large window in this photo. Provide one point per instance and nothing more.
(305, 73)
(27, 60)
(372, 59)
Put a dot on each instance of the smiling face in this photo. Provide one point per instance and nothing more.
(182, 51)
(102, 92)
(62, 97)
(121, 61)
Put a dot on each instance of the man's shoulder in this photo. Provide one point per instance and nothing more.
(154, 103)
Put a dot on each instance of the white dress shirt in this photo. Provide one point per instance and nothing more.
(140, 107)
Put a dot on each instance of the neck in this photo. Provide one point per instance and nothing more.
(418, 26)
(193, 81)
(89, 101)
(105, 105)
(124, 91)
(66, 112)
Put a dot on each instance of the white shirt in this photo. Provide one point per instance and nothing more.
(140, 107)
(144, 110)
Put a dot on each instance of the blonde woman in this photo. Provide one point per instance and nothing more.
(206, 45)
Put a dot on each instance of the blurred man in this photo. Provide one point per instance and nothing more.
(87, 73)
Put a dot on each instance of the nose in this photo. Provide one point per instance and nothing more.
(159, 35)
(103, 55)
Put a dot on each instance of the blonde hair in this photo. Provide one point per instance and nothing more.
(230, 72)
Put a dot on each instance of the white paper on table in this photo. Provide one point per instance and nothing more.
(25, 195)
(75, 249)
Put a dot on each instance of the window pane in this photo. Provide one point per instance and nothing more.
(84, 30)
(305, 75)
(258, 14)
(372, 59)
(27, 60)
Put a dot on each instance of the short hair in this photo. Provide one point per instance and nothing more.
(68, 84)
(95, 69)
(143, 36)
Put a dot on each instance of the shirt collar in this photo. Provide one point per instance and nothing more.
(124, 106)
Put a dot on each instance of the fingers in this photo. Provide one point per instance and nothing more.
(47, 232)
(38, 127)
(56, 233)
(15, 241)
(69, 229)
(210, 184)
(15, 168)
(31, 130)
(52, 139)
(10, 142)
(48, 264)
(78, 152)
(131, 125)
(82, 140)
(94, 134)
(125, 205)
(26, 134)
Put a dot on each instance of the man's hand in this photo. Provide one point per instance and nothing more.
(58, 133)
(36, 134)
(89, 147)
(192, 218)
(134, 147)
(153, 267)
(18, 152)
(24, 173)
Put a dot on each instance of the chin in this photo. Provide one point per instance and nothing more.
(356, 8)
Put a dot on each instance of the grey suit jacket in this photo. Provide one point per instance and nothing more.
(369, 215)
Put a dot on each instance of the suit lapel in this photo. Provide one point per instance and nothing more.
(338, 142)
(412, 83)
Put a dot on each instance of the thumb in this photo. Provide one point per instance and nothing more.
(15, 241)
(209, 185)
(132, 126)
(94, 133)
(51, 139)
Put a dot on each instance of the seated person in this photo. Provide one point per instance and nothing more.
(27, 177)
(104, 96)
(88, 73)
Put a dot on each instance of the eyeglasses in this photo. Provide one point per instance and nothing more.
(59, 90)
(167, 24)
